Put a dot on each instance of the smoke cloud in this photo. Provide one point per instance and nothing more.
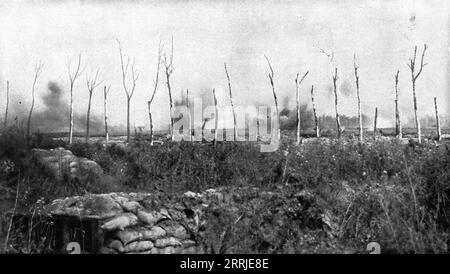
(55, 115)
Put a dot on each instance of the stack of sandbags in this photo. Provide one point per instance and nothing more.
(136, 222)
(148, 233)
(61, 163)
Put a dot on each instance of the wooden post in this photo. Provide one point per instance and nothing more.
(338, 122)
(297, 87)
(105, 95)
(398, 124)
(216, 117)
(7, 104)
(231, 101)
(316, 120)
(375, 123)
(438, 124)
(361, 137)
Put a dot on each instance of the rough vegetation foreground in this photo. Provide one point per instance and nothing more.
(323, 196)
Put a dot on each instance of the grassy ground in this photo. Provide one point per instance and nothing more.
(380, 190)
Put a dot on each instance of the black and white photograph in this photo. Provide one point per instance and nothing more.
(233, 128)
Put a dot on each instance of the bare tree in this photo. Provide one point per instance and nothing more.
(414, 76)
(73, 77)
(231, 101)
(129, 88)
(316, 120)
(297, 87)
(216, 117)
(168, 65)
(398, 123)
(155, 88)
(105, 96)
(438, 124)
(7, 105)
(338, 121)
(358, 96)
(375, 123)
(37, 71)
(189, 113)
(91, 84)
(271, 75)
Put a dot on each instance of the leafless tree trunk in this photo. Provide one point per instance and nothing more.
(438, 123)
(316, 120)
(398, 123)
(168, 65)
(37, 71)
(129, 90)
(91, 86)
(231, 101)
(7, 105)
(155, 88)
(216, 117)
(105, 95)
(271, 75)
(338, 121)
(375, 123)
(189, 113)
(361, 137)
(73, 77)
(414, 76)
(297, 88)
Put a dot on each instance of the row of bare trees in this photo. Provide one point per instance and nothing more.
(91, 83)
(165, 62)
(415, 73)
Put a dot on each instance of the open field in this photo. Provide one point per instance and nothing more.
(428, 133)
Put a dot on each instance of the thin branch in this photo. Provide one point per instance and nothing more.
(107, 89)
(5, 123)
(156, 81)
(78, 71)
(168, 64)
(37, 71)
(91, 83)
(425, 47)
(271, 74)
(231, 101)
(135, 77)
(301, 80)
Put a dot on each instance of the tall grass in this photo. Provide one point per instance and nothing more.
(379, 191)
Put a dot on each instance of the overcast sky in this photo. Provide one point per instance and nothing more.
(208, 33)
